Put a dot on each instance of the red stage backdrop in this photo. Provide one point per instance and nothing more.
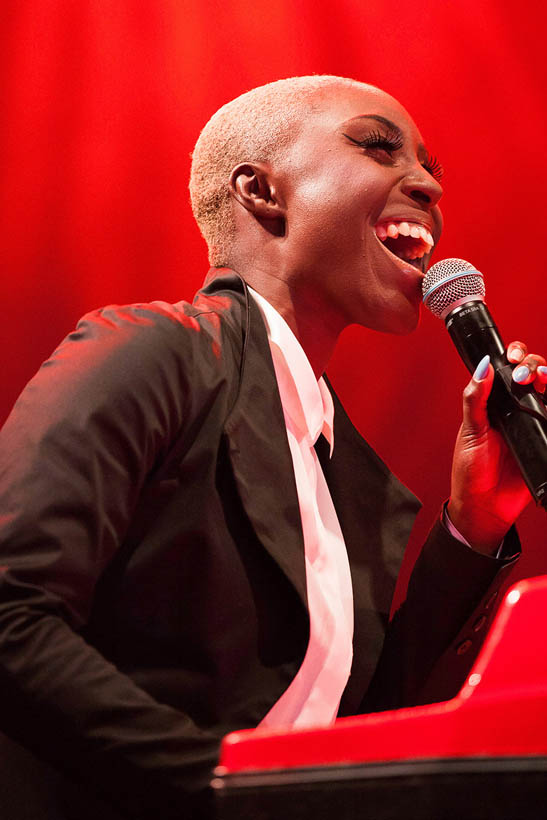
(102, 101)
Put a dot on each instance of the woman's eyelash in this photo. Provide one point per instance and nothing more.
(376, 139)
(391, 142)
(434, 167)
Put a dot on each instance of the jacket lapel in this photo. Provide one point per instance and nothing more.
(260, 455)
(375, 509)
(376, 514)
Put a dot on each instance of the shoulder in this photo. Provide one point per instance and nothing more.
(133, 358)
(160, 326)
(147, 340)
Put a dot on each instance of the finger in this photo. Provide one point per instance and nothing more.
(475, 396)
(541, 379)
(527, 370)
(516, 352)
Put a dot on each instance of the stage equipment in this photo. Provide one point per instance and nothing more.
(479, 756)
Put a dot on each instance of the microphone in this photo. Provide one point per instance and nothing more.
(453, 290)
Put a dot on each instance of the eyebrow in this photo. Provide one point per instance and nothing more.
(388, 123)
(380, 119)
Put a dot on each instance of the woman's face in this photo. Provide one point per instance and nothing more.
(361, 193)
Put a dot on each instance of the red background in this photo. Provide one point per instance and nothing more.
(103, 101)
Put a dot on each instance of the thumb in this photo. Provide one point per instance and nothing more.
(475, 397)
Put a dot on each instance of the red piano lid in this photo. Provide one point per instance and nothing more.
(501, 710)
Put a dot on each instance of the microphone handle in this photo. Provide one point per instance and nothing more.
(515, 410)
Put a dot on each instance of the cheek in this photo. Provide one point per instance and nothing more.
(337, 209)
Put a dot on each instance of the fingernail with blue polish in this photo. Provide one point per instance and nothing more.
(482, 369)
(520, 374)
(542, 370)
(516, 355)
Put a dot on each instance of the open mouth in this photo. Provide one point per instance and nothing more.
(408, 241)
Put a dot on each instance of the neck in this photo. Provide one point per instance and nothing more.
(310, 320)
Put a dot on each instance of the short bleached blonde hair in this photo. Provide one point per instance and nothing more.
(254, 127)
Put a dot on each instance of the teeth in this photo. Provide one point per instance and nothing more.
(394, 229)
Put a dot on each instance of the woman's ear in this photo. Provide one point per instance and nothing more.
(251, 185)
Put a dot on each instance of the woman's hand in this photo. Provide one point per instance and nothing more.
(488, 492)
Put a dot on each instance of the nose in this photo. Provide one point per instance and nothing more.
(422, 187)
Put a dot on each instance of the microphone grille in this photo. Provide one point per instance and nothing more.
(450, 283)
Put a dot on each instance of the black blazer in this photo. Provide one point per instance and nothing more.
(153, 591)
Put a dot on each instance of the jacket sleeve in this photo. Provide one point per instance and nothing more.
(436, 634)
(97, 418)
